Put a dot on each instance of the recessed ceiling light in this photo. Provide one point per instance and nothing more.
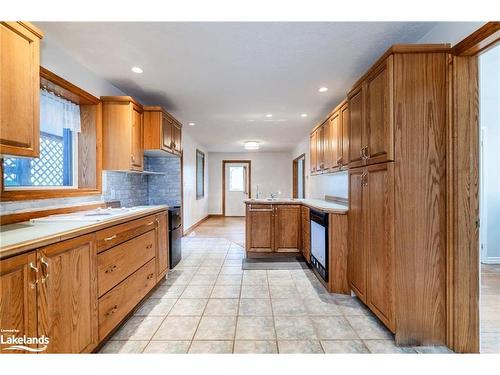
(136, 69)
(269, 115)
(303, 115)
(323, 89)
(191, 124)
(252, 145)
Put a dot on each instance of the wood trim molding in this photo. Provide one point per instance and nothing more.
(198, 197)
(295, 176)
(479, 41)
(25, 216)
(66, 88)
(224, 162)
(195, 225)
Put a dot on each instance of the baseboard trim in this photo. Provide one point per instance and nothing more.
(491, 260)
(193, 227)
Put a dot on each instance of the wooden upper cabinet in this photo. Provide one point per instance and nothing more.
(287, 228)
(18, 277)
(67, 301)
(344, 126)
(320, 148)
(378, 135)
(355, 118)
(313, 145)
(122, 125)
(335, 140)
(161, 131)
(259, 228)
(19, 89)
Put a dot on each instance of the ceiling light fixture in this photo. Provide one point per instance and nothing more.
(136, 69)
(252, 145)
(191, 124)
(323, 89)
(269, 115)
(303, 115)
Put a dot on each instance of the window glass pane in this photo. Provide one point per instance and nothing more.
(236, 179)
(55, 166)
(200, 173)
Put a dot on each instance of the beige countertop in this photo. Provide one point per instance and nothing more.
(318, 204)
(28, 235)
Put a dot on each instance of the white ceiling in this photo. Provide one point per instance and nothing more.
(226, 76)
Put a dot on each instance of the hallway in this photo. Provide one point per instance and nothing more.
(230, 228)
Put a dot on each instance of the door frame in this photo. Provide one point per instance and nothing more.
(295, 176)
(462, 260)
(224, 162)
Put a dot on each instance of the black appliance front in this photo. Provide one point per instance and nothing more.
(174, 235)
(319, 243)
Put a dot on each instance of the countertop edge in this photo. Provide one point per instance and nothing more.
(26, 246)
(326, 210)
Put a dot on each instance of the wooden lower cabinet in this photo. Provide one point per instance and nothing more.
(306, 233)
(259, 228)
(67, 300)
(18, 279)
(287, 228)
(162, 249)
(371, 239)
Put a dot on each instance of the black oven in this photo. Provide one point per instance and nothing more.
(319, 243)
(174, 235)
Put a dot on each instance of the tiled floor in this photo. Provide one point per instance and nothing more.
(490, 308)
(209, 304)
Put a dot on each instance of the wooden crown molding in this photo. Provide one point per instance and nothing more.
(479, 41)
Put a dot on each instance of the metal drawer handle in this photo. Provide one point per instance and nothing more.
(35, 270)
(150, 276)
(111, 269)
(150, 223)
(261, 210)
(110, 238)
(149, 246)
(112, 311)
(45, 266)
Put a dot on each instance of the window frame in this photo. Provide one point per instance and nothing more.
(89, 140)
(202, 155)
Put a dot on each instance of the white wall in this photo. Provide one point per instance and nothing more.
(489, 78)
(272, 171)
(194, 209)
(450, 32)
(317, 186)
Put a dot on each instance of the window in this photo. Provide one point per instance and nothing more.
(200, 174)
(237, 178)
(59, 125)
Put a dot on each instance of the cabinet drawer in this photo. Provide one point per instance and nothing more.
(119, 301)
(260, 207)
(113, 236)
(117, 263)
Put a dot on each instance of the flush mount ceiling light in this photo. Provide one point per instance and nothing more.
(303, 115)
(136, 69)
(191, 124)
(252, 145)
(323, 89)
(269, 115)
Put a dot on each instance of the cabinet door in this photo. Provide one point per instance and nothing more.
(162, 245)
(137, 150)
(19, 90)
(177, 137)
(306, 234)
(344, 139)
(320, 149)
(259, 228)
(379, 191)
(166, 133)
(379, 141)
(67, 300)
(335, 140)
(355, 127)
(313, 150)
(287, 228)
(356, 233)
(18, 278)
(327, 145)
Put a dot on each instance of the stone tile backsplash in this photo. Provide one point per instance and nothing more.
(131, 189)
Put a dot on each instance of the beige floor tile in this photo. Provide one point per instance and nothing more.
(155, 307)
(333, 328)
(138, 328)
(255, 277)
(255, 328)
(222, 307)
(288, 306)
(368, 327)
(197, 291)
(208, 271)
(255, 291)
(432, 349)
(294, 328)
(255, 347)
(203, 279)
(168, 291)
(353, 307)
(283, 291)
(211, 347)
(167, 347)
(318, 307)
(386, 346)
(216, 328)
(255, 307)
(228, 280)
(344, 346)
(124, 347)
(226, 291)
(299, 347)
(177, 328)
(189, 307)
(231, 270)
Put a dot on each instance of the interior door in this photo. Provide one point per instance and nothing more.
(237, 188)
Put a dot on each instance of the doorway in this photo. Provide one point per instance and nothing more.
(489, 200)
(236, 186)
(299, 177)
